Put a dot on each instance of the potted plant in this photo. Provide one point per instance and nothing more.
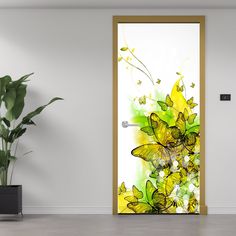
(12, 127)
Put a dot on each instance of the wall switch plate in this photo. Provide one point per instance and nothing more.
(225, 97)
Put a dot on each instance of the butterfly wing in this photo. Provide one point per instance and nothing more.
(162, 131)
(151, 152)
(180, 123)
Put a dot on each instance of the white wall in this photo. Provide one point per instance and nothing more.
(70, 51)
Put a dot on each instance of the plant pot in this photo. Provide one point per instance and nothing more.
(11, 199)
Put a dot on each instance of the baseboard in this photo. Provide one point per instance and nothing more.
(221, 210)
(66, 210)
(104, 210)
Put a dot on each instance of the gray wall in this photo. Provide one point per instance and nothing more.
(70, 51)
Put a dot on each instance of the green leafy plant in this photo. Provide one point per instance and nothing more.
(12, 102)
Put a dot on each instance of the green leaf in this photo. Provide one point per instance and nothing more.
(3, 132)
(194, 129)
(191, 118)
(30, 122)
(162, 105)
(19, 101)
(11, 158)
(140, 207)
(192, 85)
(20, 81)
(14, 99)
(124, 49)
(37, 111)
(6, 122)
(169, 102)
(137, 193)
(158, 81)
(4, 81)
(148, 130)
(9, 98)
(20, 133)
(131, 199)
(149, 191)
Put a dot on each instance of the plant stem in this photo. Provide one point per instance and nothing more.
(13, 165)
(142, 64)
(139, 70)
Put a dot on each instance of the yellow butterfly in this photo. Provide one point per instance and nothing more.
(168, 139)
(180, 88)
(139, 82)
(191, 104)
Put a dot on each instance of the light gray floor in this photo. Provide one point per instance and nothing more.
(103, 225)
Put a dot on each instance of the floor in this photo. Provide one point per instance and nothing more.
(104, 225)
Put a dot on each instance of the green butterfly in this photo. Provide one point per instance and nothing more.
(168, 103)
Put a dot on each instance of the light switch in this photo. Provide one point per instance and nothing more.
(225, 97)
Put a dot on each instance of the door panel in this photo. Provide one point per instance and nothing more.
(158, 133)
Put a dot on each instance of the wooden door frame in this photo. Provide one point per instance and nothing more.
(159, 19)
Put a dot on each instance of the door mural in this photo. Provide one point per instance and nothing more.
(158, 115)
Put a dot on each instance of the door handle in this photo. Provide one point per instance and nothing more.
(125, 124)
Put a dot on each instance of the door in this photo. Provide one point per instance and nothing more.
(158, 66)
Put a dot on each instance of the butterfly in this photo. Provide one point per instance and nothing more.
(142, 100)
(191, 104)
(169, 139)
(139, 82)
(180, 88)
(189, 118)
(168, 103)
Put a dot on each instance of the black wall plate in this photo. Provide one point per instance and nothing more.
(225, 97)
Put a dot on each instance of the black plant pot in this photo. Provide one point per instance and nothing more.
(11, 199)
